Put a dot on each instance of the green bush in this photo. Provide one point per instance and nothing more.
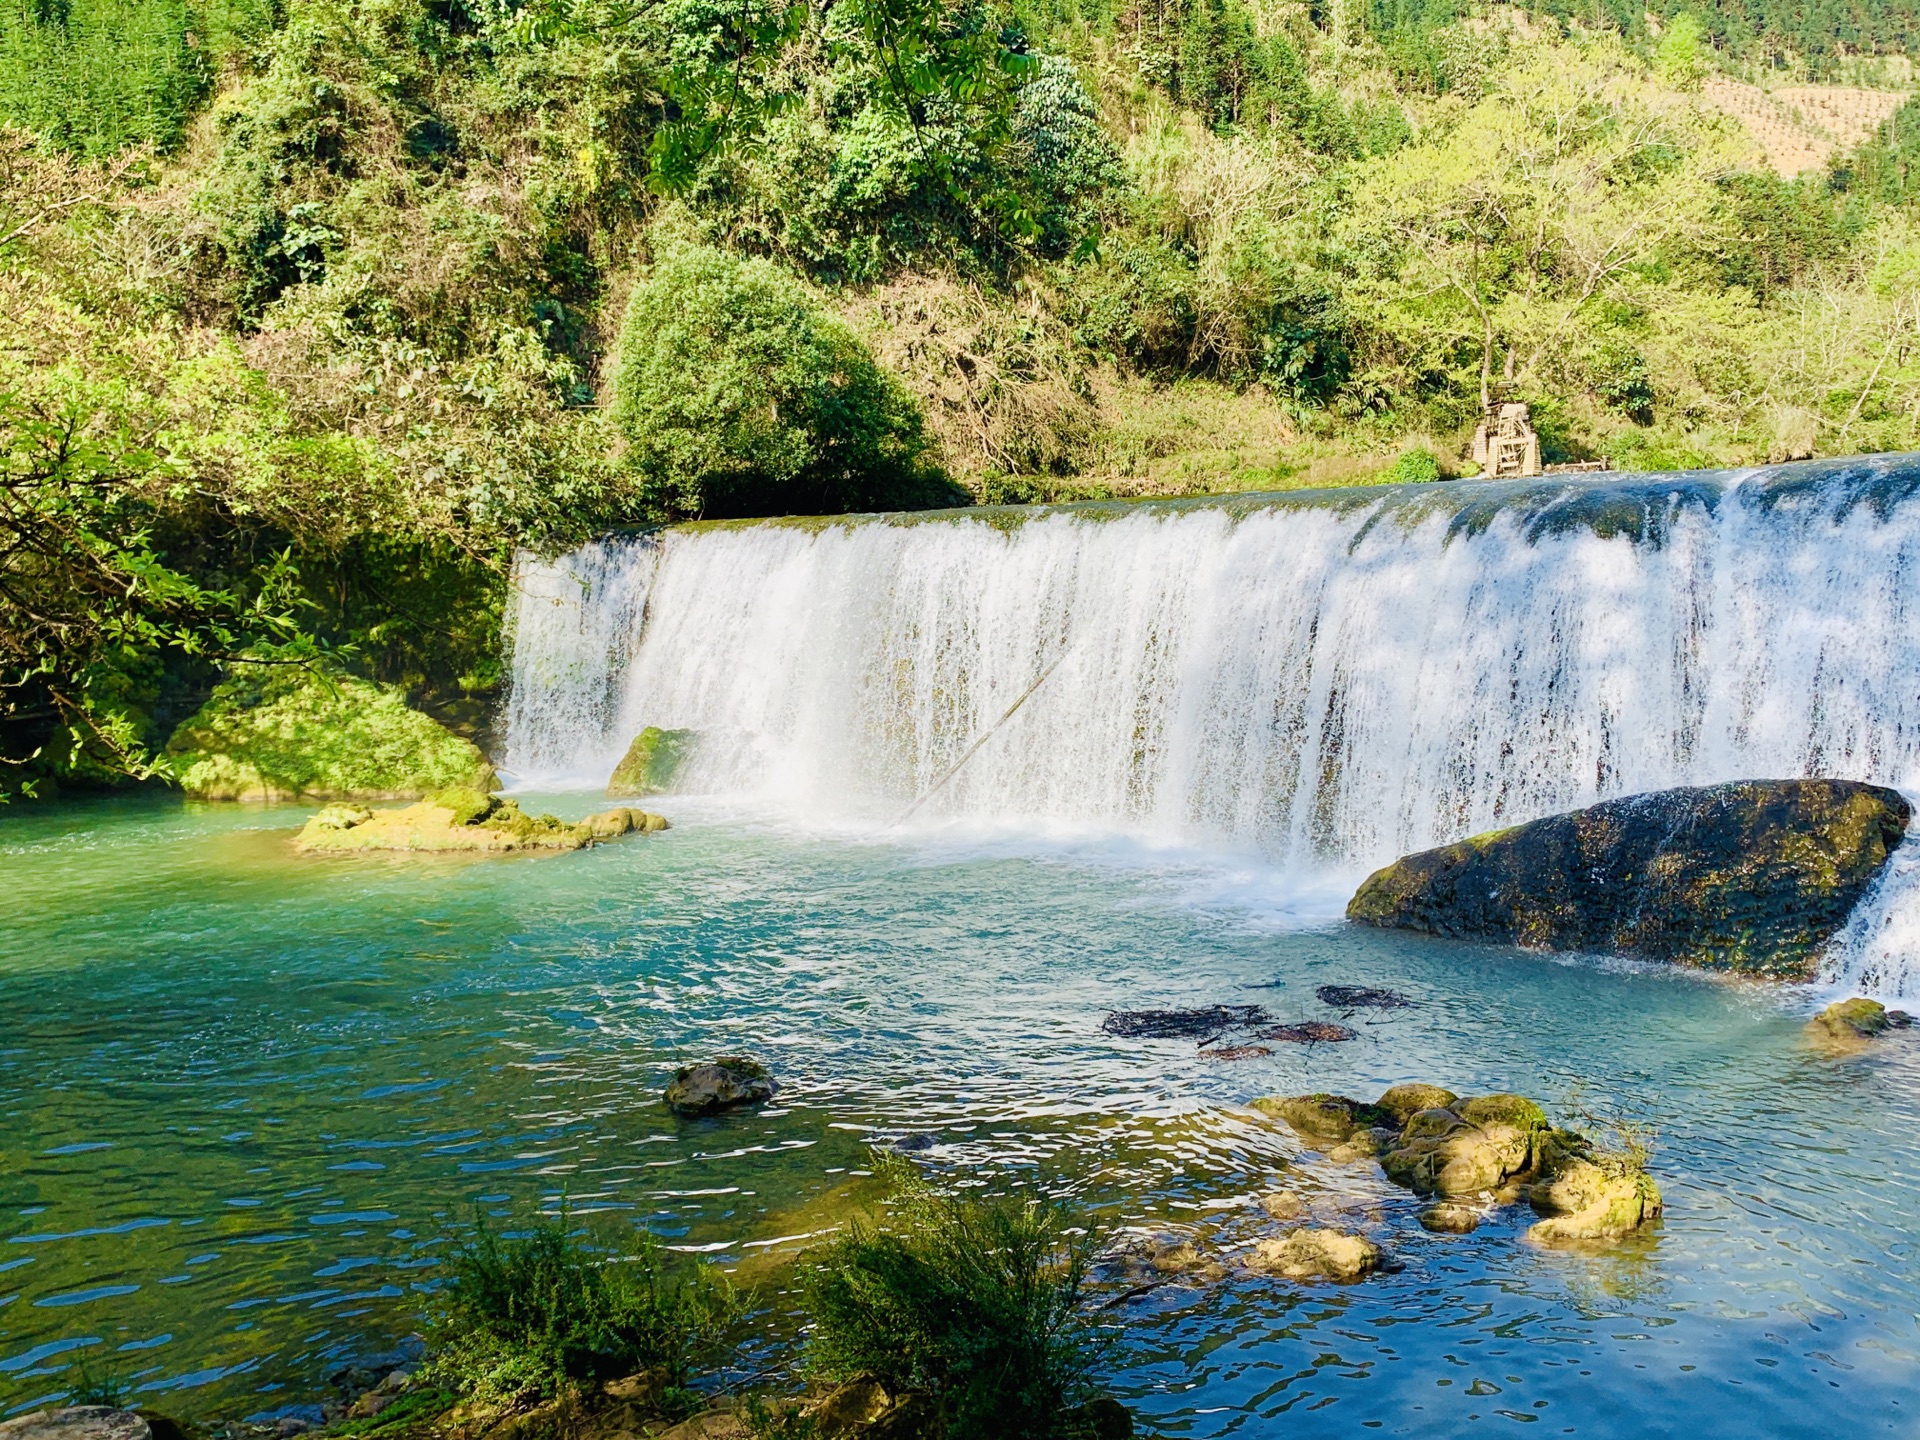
(1415, 466)
(532, 1314)
(978, 1303)
(738, 397)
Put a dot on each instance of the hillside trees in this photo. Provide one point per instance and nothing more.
(1540, 232)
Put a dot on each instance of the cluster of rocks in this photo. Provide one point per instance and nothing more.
(1210, 1024)
(465, 820)
(1470, 1155)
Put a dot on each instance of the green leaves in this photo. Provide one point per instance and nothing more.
(86, 599)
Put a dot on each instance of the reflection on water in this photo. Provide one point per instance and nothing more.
(249, 1099)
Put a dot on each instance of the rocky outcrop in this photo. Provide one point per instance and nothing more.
(1323, 1118)
(286, 733)
(1752, 877)
(723, 1084)
(651, 763)
(1312, 1254)
(464, 820)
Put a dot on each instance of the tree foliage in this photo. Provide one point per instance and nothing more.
(738, 396)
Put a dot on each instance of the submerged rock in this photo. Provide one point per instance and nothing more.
(723, 1084)
(1308, 1032)
(1310, 1254)
(651, 763)
(285, 733)
(464, 820)
(1856, 1020)
(1283, 1204)
(1448, 1218)
(1753, 877)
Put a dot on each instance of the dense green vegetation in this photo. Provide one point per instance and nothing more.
(533, 1314)
(977, 1303)
(316, 308)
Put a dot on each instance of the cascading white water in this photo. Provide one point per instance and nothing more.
(1331, 679)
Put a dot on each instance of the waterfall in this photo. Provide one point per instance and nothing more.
(1329, 678)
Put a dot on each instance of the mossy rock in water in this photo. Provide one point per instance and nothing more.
(1404, 1101)
(457, 821)
(1751, 877)
(285, 733)
(1588, 1202)
(651, 762)
(1851, 1022)
(1322, 1117)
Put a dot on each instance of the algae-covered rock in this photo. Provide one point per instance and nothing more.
(1311, 1254)
(723, 1084)
(464, 820)
(1588, 1201)
(1753, 877)
(79, 1422)
(651, 762)
(1322, 1118)
(1858, 1019)
(1402, 1101)
(287, 733)
(1450, 1152)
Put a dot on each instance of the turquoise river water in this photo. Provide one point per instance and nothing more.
(250, 1100)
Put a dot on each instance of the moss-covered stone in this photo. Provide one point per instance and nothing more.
(1403, 1101)
(1321, 1119)
(455, 821)
(1315, 1254)
(1752, 877)
(285, 733)
(651, 762)
(1590, 1201)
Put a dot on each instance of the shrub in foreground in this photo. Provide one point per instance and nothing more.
(978, 1303)
(537, 1313)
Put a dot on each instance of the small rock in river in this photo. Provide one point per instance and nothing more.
(723, 1084)
(1309, 1254)
(1447, 1218)
(1405, 1101)
(1283, 1204)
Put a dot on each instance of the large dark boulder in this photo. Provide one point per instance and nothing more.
(1754, 876)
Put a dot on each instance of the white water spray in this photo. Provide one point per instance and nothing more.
(1332, 680)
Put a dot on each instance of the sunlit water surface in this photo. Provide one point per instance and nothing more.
(250, 1100)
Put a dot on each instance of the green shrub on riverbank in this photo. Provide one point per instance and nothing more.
(977, 1303)
(534, 1313)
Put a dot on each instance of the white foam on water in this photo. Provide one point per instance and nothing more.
(1323, 683)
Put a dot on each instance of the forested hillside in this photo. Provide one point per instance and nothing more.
(314, 308)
